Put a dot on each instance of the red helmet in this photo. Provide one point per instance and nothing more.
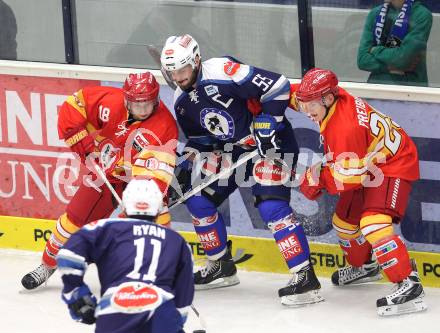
(141, 87)
(316, 84)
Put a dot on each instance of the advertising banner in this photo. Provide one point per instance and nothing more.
(38, 175)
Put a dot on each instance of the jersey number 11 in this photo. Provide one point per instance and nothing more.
(138, 261)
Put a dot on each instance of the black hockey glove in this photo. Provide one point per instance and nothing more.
(183, 177)
(82, 304)
(265, 130)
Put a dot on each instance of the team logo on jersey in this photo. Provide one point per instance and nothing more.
(122, 129)
(108, 155)
(180, 110)
(140, 142)
(218, 122)
(211, 90)
(134, 297)
(194, 96)
(231, 67)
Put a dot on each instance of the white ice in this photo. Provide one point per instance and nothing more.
(252, 306)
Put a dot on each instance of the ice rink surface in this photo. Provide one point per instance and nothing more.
(252, 306)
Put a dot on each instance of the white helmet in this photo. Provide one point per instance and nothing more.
(178, 52)
(142, 197)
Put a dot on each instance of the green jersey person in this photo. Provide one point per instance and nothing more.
(394, 41)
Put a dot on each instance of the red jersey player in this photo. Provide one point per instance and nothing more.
(371, 163)
(131, 133)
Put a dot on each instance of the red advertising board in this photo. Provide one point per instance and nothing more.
(34, 180)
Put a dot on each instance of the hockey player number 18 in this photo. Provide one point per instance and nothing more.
(392, 138)
(138, 261)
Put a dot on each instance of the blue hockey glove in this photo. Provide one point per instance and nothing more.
(82, 304)
(265, 130)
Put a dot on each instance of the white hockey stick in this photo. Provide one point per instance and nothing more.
(214, 178)
(103, 176)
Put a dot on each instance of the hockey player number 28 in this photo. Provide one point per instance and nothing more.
(392, 137)
(138, 261)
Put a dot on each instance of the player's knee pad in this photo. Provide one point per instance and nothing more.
(291, 240)
(60, 235)
(274, 210)
(375, 227)
(209, 226)
(200, 206)
(393, 258)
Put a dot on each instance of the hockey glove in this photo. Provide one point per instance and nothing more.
(80, 142)
(82, 304)
(183, 177)
(310, 184)
(265, 130)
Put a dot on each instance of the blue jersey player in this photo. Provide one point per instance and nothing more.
(212, 104)
(145, 270)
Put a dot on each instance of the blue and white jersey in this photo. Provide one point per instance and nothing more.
(128, 251)
(216, 111)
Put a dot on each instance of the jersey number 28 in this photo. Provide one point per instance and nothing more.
(392, 138)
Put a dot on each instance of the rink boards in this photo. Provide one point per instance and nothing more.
(250, 253)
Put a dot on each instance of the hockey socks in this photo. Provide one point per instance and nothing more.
(209, 226)
(288, 234)
(220, 270)
(62, 232)
(393, 258)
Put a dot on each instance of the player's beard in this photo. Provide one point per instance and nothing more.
(192, 80)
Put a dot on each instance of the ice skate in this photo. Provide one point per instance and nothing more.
(407, 298)
(303, 288)
(37, 277)
(217, 273)
(368, 272)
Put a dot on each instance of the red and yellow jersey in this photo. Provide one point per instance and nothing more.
(125, 147)
(359, 142)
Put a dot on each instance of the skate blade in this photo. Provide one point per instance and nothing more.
(219, 283)
(298, 300)
(416, 305)
(364, 280)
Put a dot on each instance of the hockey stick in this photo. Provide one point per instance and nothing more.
(214, 178)
(155, 54)
(201, 320)
(103, 176)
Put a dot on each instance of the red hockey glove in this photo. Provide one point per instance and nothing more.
(80, 142)
(310, 185)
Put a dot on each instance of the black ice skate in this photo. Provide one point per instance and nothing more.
(407, 298)
(303, 288)
(217, 273)
(37, 277)
(368, 272)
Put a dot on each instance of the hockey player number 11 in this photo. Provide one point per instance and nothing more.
(138, 261)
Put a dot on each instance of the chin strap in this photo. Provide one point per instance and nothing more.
(327, 108)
